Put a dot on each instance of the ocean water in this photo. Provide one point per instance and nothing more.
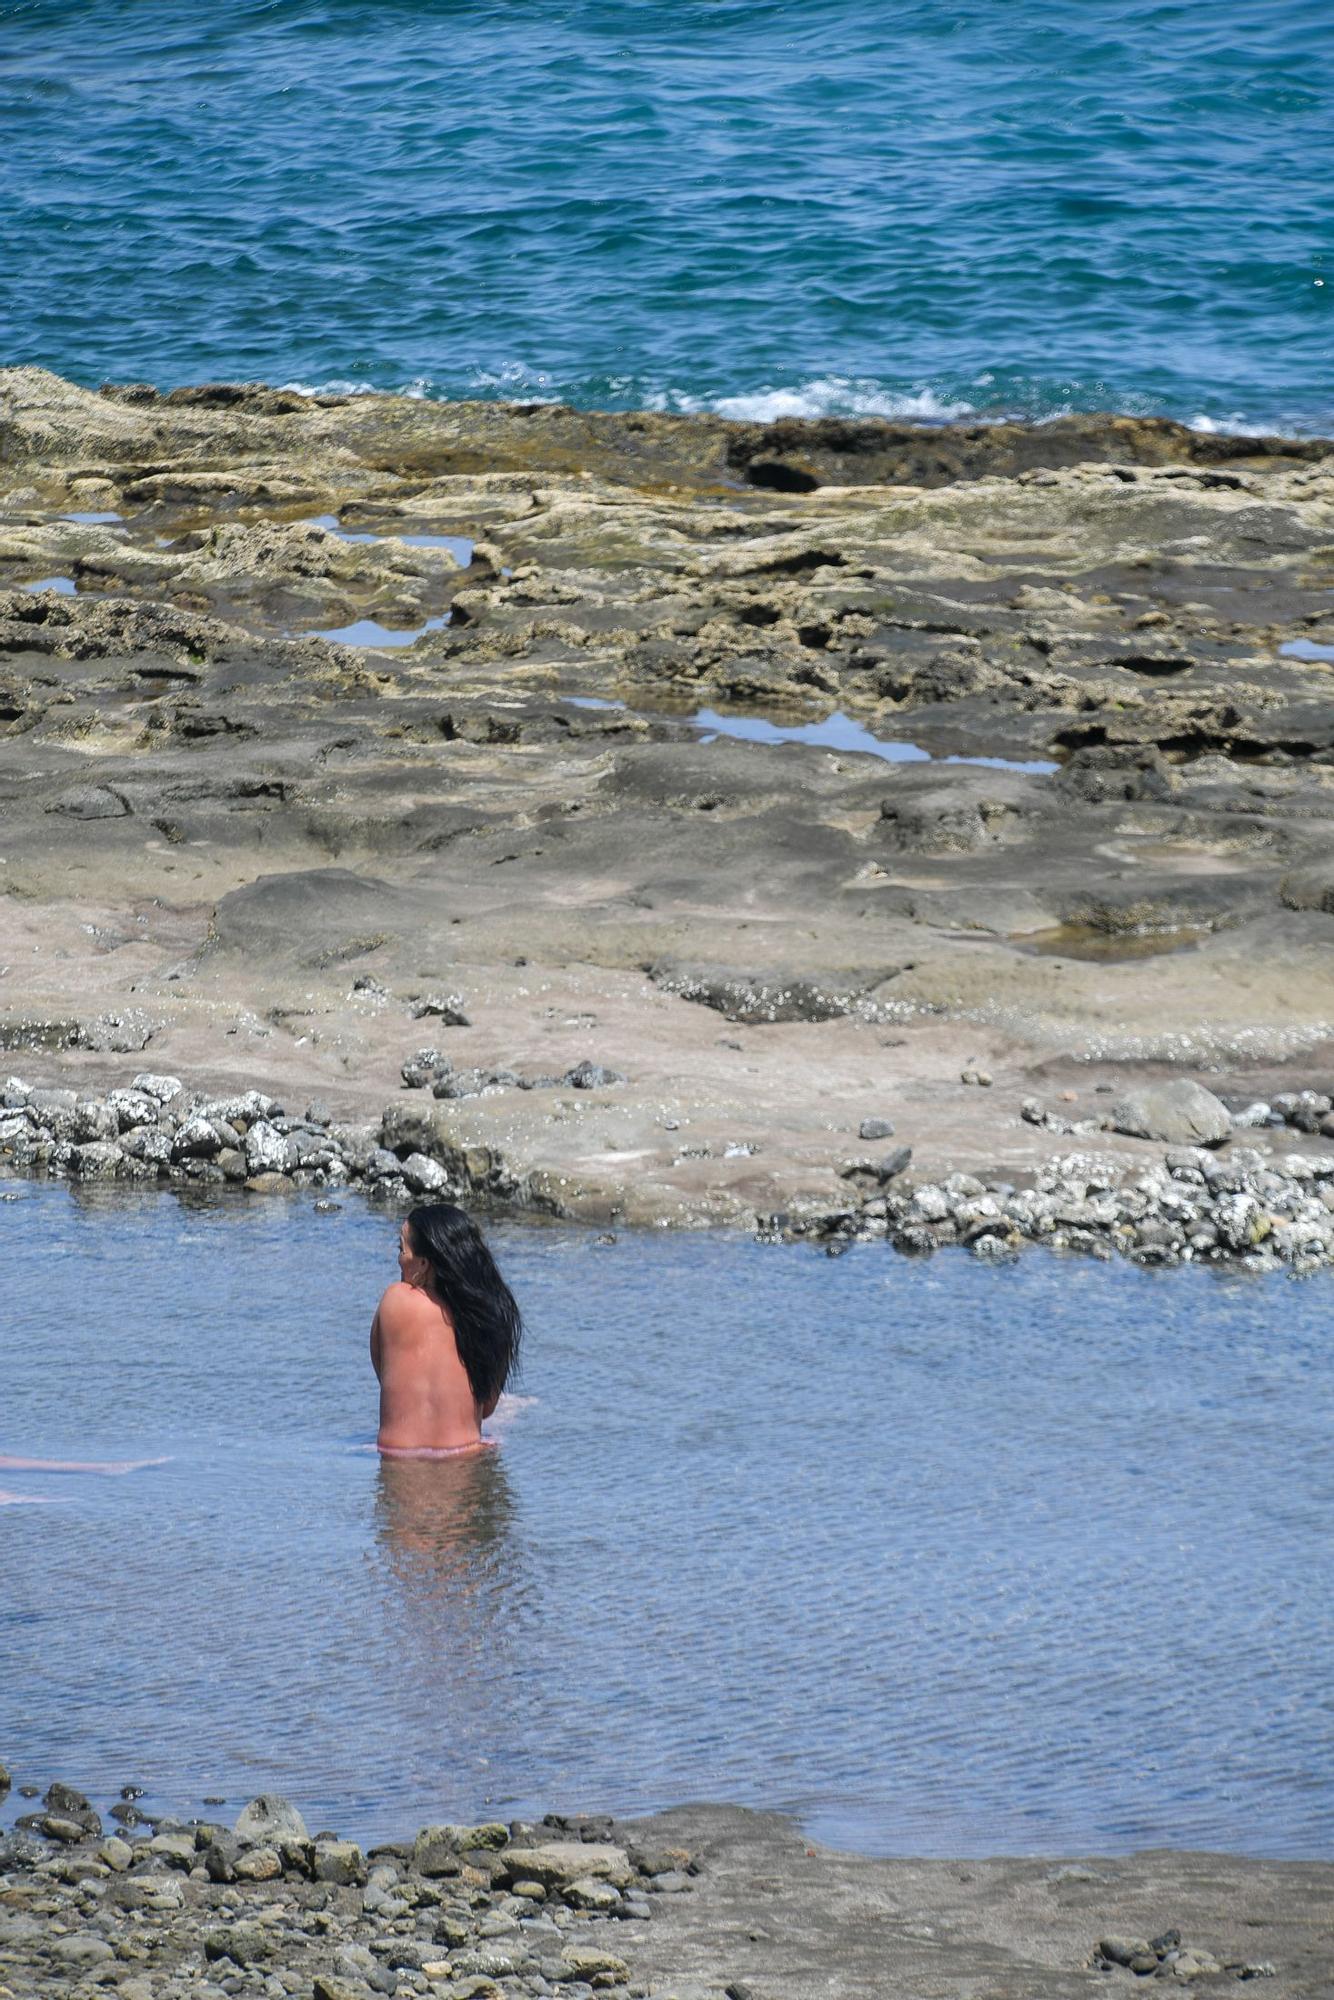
(933, 208)
(946, 1559)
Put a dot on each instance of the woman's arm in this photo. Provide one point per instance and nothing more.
(375, 1343)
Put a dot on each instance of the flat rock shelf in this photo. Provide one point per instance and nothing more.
(256, 857)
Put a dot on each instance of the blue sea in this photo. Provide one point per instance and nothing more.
(930, 208)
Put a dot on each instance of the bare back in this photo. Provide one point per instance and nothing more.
(426, 1399)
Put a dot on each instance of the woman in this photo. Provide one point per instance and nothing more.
(444, 1341)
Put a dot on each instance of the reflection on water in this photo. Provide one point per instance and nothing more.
(444, 1526)
(945, 1559)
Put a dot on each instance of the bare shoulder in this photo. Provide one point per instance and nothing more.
(403, 1306)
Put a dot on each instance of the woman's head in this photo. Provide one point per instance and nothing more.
(442, 1248)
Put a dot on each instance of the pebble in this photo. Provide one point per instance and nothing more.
(298, 1915)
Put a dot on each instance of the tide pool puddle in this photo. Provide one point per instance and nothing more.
(62, 586)
(836, 732)
(1306, 649)
(839, 732)
(458, 546)
(1106, 947)
(366, 632)
(97, 520)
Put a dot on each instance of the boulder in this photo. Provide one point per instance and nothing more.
(163, 1088)
(340, 1862)
(423, 1176)
(65, 1803)
(96, 1161)
(268, 1819)
(1179, 1112)
(267, 1150)
(556, 1864)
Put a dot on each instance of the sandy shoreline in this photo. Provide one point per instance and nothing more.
(699, 1903)
(257, 859)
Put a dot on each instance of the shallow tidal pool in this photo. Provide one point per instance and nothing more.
(947, 1559)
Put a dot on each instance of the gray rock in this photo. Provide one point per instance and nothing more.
(591, 1076)
(445, 1007)
(97, 1161)
(267, 1819)
(80, 1952)
(267, 1150)
(147, 1144)
(1178, 1111)
(875, 1128)
(421, 1068)
(133, 1108)
(338, 1861)
(423, 1176)
(556, 1863)
(64, 1799)
(163, 1088)
(197, 1139)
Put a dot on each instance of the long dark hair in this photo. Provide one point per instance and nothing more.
(488, 1326)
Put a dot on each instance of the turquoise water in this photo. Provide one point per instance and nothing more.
(935, 208)
(943, 1558)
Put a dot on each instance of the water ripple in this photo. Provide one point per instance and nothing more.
(946, 1559)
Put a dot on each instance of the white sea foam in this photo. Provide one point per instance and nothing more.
(824, 396)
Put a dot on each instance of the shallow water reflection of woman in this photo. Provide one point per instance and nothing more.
(447, 1529)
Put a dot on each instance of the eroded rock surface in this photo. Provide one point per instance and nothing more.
(255, 853)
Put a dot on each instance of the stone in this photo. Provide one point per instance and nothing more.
(163, 1088)
(674, 1882)
(557, 1863)
(591, 1894)
(445, 1007)
(327, 1987)
(267, 1819)
(80, 1952)
(258, 1864)
(1177, 1111)
(875, 1128)
(435, 1852)
(421, 1068)
(599, 1968)
(196, 1139)
(1120, 1950)
(267, 1150)
(242, 1943)
(65, 1801)
(423, 1176)
(340, 1862)
(591, 1076)
(220, 1857)
(177, 1849)
(97, 1161)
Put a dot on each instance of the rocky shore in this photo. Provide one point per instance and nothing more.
(332, 724)
(1198, 1203)
(703, 1903)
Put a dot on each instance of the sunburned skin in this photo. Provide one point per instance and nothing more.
(427, 1407)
